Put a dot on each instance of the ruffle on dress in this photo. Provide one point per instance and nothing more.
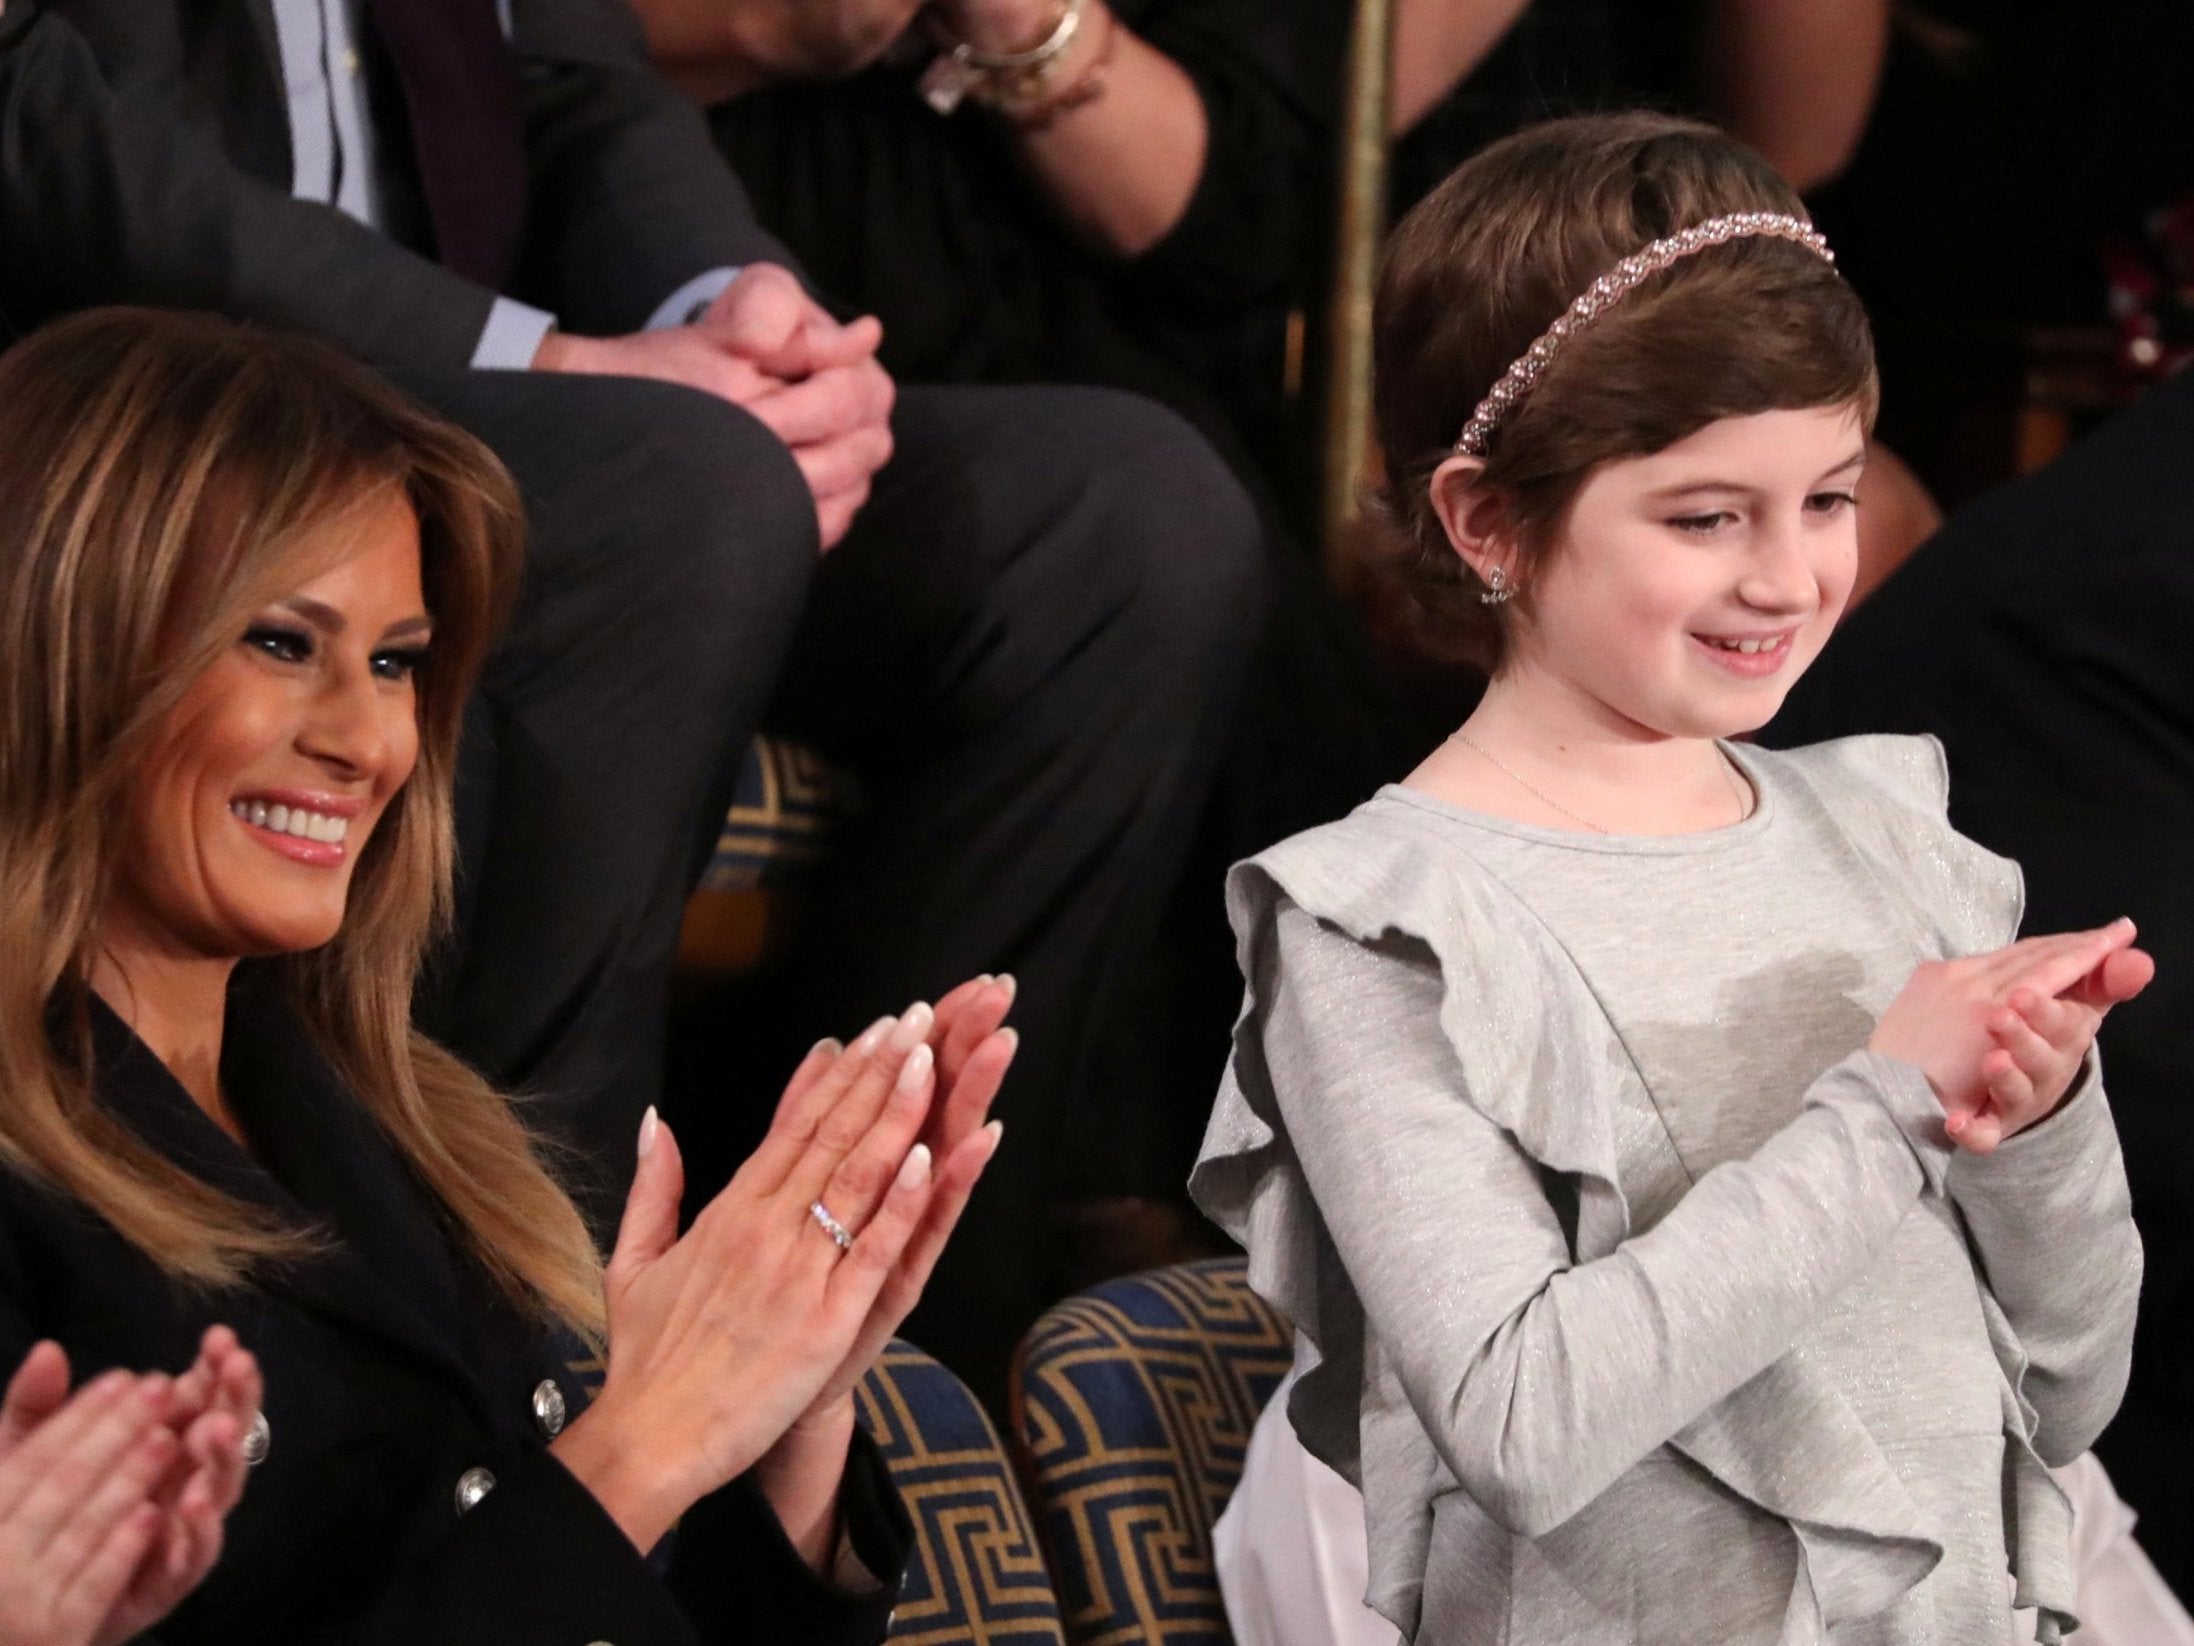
(1786, 1440)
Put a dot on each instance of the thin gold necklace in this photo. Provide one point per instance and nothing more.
(1744, 805)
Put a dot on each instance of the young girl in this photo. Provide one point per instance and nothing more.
(1707, 1217)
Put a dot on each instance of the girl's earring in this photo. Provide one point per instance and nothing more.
(1496, 591)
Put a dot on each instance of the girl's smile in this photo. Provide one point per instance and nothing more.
(1692, 587)
(1749, 656)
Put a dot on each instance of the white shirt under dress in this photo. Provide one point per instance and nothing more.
(1648, 1305)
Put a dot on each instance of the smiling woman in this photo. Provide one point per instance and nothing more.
(168, 482)
(246, 586)
(236, 831)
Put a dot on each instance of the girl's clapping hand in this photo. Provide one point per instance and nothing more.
(1944, 1020)
(2041, 1040)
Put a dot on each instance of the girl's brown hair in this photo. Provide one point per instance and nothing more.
(1496, 253)
(159, 473)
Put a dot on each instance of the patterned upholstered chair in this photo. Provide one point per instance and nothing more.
(1132, 1406)
(977, 1577)
(788, 804)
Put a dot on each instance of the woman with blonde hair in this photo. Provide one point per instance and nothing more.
(245, 588)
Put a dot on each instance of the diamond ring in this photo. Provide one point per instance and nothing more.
(831, 1226)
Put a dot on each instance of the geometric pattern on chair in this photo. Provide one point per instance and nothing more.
(1132, 1407)
(786, 805)
(977, 1576)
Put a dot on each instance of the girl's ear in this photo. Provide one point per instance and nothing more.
(1474, 520)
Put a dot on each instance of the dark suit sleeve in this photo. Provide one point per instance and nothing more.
(540, 1563)
(629, 198)
(107, 197)
(736, 1573)
(537, 1563)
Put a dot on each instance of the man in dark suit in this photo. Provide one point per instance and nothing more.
(2046, 635)
(1027, 641)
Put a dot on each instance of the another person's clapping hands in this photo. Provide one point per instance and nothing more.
(112, 1498)
(767, 346)
(2002, 1036)
(739, 1344)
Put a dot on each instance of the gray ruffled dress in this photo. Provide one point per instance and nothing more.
(1649, 1306)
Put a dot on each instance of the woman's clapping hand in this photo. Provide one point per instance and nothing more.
(2001, 1036)
(972, 1054)
(112, 1498)
(722, 1340)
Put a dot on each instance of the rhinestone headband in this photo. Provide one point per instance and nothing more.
(1610, 289)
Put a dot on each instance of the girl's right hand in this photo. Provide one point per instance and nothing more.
(719, 1340)
(1940, 1021)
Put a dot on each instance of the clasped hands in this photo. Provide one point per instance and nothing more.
(2002, 1036)
(112, 1498)
(769, 347)
(754, 1327)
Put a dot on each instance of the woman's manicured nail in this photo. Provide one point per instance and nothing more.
(913, 1028)
(826, 1047)
(914, 1171)
(873, 1036)
(1008, 982)
(997, 1130)
(648, 1123)
(916, 1068)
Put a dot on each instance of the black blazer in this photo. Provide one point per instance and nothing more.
(145, 157)
(393, 1368)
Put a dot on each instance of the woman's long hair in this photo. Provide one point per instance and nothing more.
(159, 474)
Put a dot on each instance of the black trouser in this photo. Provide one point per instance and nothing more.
(670, 548)
(1029, 648)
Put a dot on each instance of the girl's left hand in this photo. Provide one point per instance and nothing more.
(2040, 1044)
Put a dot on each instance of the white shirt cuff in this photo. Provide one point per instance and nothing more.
(511, 337)
(683, 306)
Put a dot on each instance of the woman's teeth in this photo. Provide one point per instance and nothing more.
(1748, 647)
(305, 825)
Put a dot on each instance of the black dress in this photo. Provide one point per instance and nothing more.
(933, 224)
(394, 1371)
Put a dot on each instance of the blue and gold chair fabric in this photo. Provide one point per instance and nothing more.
(787, 804)
(1132, 1406)
(977, 1577)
